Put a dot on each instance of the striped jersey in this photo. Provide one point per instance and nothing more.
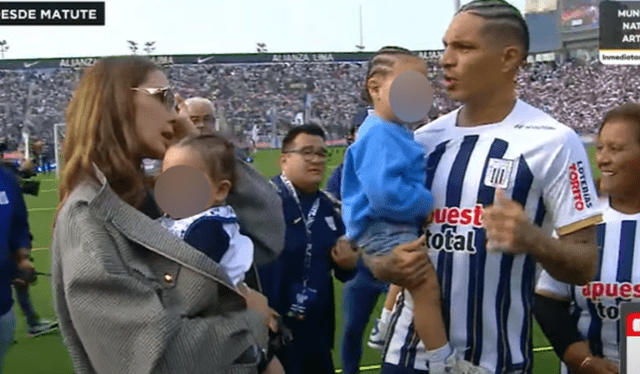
(597, 305)
(487, 297)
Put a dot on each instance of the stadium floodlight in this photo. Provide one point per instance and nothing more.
(149, 47)
(133, 46)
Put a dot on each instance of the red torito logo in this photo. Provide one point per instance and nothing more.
(579, 186)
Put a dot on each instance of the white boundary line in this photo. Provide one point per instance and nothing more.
(41, 209)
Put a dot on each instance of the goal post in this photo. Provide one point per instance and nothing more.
(58, 140)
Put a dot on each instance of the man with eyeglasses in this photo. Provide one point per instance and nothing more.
(298, 284)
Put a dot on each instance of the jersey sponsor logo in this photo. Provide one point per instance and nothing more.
(433, 130)
(498, 173)
(579, 186)
(595, 290)
(3, 198)
(533, 127)
(448, 239)
(459, 216)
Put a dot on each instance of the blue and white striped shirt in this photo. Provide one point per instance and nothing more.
(618, 280)
(487, 297)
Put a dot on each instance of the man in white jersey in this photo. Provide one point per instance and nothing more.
(494, 147)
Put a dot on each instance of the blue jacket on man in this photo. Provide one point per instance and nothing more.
(334, 182)
(14, 232)
(281, 278)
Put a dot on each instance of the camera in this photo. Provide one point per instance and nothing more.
(30, 187)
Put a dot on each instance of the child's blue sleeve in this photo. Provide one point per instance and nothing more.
(385, 169)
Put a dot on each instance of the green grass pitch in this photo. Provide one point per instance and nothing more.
(48, 355)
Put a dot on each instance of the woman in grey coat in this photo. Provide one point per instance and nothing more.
(131, 297)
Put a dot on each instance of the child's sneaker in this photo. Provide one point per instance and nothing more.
(42, 327)
(379, 334)
(454, 364)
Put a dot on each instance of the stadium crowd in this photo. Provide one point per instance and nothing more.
(574, 92)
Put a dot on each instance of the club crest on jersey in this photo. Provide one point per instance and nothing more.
(498, 173)
(579, 186)
(331, 223)
(3, 198)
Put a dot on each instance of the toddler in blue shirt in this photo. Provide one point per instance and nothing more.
(386, 203)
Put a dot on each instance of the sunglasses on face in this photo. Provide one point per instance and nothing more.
(165, 94)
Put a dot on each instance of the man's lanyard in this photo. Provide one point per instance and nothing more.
(308, 221)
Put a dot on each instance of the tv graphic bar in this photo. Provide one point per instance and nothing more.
(620, 32)
(52, 13)
(630, 338)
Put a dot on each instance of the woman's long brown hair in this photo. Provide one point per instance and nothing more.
(100, 129)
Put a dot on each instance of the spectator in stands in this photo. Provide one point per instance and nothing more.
(130, 296)
(572, 317)
(299, 285)
(15, 244)
(335, 180)
(201, 112)
(246, 92)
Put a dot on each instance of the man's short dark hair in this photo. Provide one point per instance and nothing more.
(503, 20)
(310, 129)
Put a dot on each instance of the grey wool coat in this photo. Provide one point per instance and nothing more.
(132, 298)
(259, 210)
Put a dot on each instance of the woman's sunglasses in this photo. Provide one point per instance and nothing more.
(165, 94)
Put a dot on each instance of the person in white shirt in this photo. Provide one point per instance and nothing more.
(583, 322)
